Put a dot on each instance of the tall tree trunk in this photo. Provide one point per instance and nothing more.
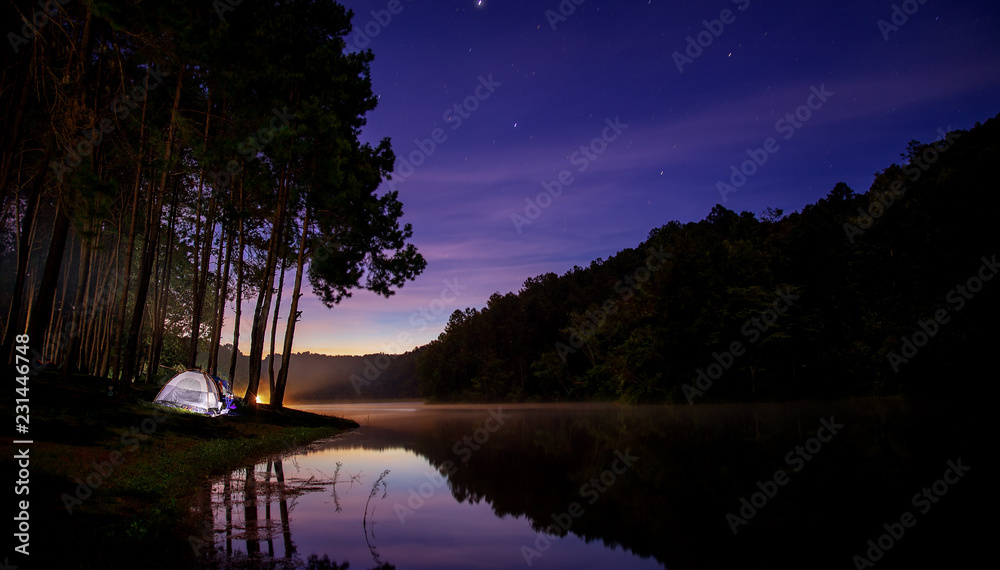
(156, 315)
(265, 294)
(200, 282)
(109, 310)
(156, 295)
(72, 358)
(23, 253)
(220, 300)
(274, 329)
(150, 244)
(97, 345)
(127, 271)
(149, 248)
(74, 74)
(293, 316)
(99, 276)
(233, 358)
(163, 300)
(57, 312)
(41, 311)
(200, 276)
(31, 280)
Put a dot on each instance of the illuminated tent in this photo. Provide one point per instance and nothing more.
(197, 391)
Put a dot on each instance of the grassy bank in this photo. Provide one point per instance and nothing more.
(112, 482)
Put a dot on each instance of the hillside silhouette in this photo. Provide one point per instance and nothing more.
(881, 292)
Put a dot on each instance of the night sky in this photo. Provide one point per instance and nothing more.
(595, 95)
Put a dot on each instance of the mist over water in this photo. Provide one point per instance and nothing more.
(601, 486)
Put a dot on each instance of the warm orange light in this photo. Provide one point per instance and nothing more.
(258, 400)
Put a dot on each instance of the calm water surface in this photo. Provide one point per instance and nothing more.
(601, 486)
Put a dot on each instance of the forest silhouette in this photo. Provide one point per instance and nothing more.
(859, 294)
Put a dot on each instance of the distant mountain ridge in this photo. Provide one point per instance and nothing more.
(317, 377)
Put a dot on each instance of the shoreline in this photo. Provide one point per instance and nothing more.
(113, 482)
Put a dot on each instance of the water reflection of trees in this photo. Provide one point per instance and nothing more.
(235, 503)
(695, 463)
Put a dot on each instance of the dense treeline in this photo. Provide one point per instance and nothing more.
(835, 300)
(160, 159)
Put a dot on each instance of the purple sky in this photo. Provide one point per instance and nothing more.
(531, 96)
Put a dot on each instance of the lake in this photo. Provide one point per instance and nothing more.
(874, 483)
